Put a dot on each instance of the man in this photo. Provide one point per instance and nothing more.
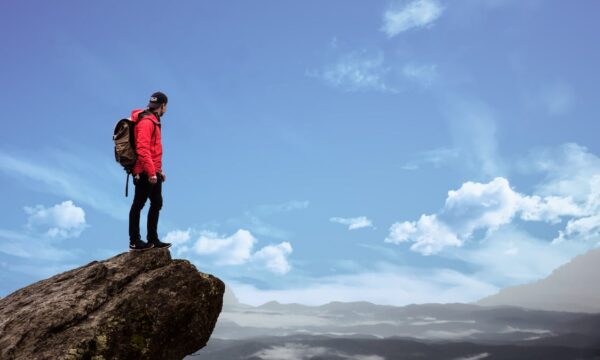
(147, 172)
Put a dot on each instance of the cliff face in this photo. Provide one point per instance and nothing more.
(139, 305)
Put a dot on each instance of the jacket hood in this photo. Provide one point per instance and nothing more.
(135, 114)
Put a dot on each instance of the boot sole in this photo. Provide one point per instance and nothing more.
(144, 249)
(162, 247)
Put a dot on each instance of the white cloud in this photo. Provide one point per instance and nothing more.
(180, 240)
(357, 71)
(476, 206)
(387, 284)
(504, 254)
(362, 71)
(475, 357)
(416, 14)
(38, 240)
(423, 75)
(586, 228)
(450, 335)
(178, 237)
(511, 329)
(549, 208)
(353, 223)
(275, 257)
(64, 220)
(293, 351)
(428, 234)
(568, 171)
(234, 250)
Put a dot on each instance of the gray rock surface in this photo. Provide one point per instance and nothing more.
(139, 305)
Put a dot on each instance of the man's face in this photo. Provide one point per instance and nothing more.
(163, 109)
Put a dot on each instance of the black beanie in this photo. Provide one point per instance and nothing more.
(157, 99)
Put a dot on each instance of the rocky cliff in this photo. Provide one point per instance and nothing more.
(139, 305)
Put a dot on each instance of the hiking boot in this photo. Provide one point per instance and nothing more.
(159, 244)
(140, 245)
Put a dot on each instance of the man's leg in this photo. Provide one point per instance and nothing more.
(156, 202)
(142, 191)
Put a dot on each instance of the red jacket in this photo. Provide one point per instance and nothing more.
(148, 143)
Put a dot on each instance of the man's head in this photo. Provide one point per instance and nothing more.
(158, 103)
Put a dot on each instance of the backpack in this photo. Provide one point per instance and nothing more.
(125, 151)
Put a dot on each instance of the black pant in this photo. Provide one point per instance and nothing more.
(144, 190)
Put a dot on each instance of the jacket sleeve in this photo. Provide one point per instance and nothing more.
(143, 144)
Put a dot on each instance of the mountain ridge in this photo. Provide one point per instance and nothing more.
(570, 287)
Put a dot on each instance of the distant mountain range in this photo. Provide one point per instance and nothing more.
(572, 287)
(514, 324)
(365, 331)
(424, 322)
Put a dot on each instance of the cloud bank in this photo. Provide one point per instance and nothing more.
(64, 220)
(386, 284)
(233, 250)
(569, 190)
(292, 351)
(40, 238)
(479, 206)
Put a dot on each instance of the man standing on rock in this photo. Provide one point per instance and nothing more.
(147, 172)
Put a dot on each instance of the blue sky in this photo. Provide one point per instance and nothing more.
(391, 151)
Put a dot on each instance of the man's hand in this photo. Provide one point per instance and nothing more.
(153, 179)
